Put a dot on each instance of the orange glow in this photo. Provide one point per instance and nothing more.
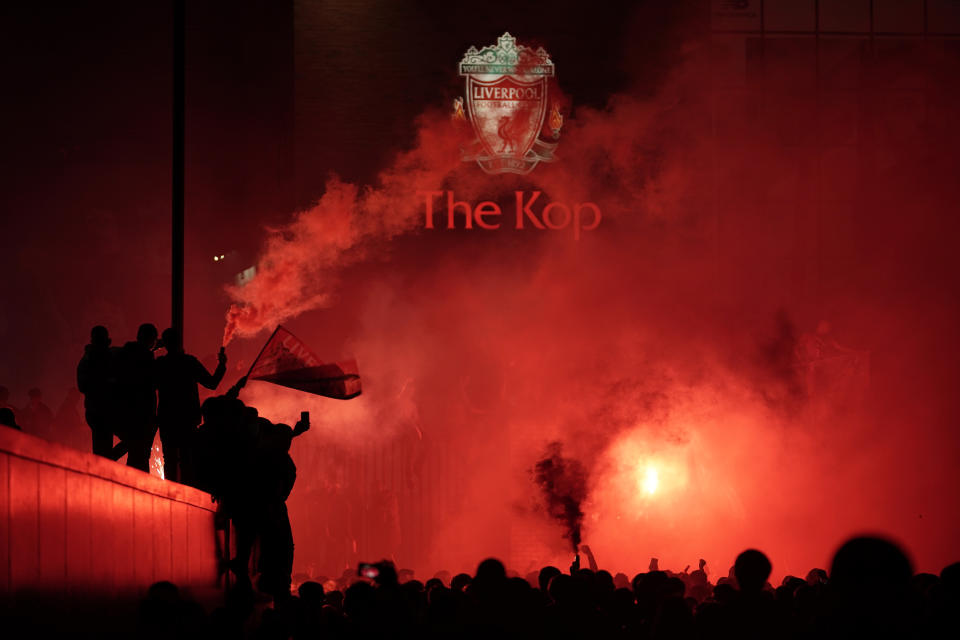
(650, 481)
(556, 119)
(644, 468)
(156, 458)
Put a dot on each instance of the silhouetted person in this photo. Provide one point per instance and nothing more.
(137, 391)
(97, 381)
(36, 416)
(461, 581)
(5, 399)
(165, 613)
(487, 614)
(869, 581)
(753, 612)
(178, 404)
(227, 467)
(752, 568)
(545, 576)
(277, 474)
(7, 418)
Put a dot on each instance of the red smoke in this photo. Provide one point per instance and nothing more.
(299, 267)
(659, 345)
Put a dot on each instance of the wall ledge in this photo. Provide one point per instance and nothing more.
(30, 447)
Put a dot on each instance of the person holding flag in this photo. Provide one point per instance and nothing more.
(256, 498)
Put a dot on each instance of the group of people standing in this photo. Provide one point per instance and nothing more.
(131, 394)
(243, 460)
(223, 447)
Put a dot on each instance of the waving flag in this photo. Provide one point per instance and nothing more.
(285, 360)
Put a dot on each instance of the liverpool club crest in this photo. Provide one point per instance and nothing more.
(507, 101)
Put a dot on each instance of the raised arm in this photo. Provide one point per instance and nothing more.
(234, 391)
(302, 425)
(590, 559)
(212, 381)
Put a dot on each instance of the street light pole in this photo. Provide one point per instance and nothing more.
(176, 252)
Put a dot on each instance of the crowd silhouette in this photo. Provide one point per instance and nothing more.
(869, 592)
(224, 447)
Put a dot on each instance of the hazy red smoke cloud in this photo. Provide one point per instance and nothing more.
(659, 348)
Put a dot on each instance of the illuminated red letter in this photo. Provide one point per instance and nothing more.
(430, 195)
(521, 210)
(546, 215)
(451, 205)
(482, 210)
(597, 216)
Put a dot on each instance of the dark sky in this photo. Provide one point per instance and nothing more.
(269, 116)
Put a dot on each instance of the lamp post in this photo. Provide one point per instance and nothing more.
(176, 252)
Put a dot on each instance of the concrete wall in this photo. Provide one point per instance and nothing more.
(74, 525)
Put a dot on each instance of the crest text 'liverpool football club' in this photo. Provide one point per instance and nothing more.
(507, 103)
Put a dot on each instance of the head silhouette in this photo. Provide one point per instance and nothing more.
(311, 594)
(100, 336)
(7, 418)
(460, 581)
(870, 566)
(147, 335)
(950, 578)
(491, 571)
(171, 340)
(698, 577)
(545, 575)
(387, 576)
(752, 569)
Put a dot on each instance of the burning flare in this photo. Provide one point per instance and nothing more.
(650, 481)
